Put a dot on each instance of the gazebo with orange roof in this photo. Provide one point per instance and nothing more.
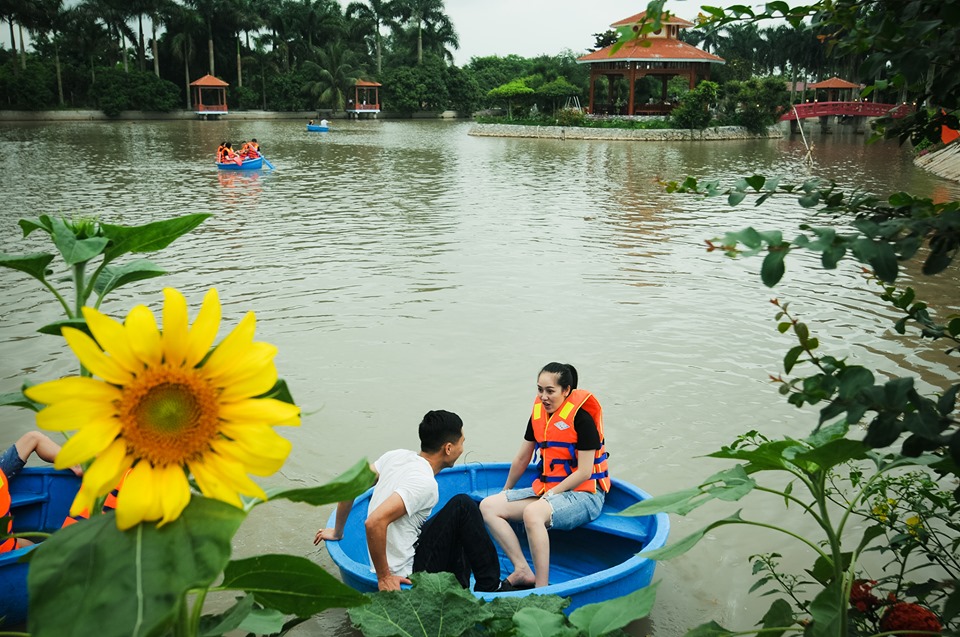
(366, 98)
(661, 53)
(833, 86)
(215, 91)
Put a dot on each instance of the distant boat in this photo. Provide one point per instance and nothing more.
(248, 164)
(317, 128)
(40, 498)
(593, 563)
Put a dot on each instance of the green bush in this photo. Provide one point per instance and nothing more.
(570, 117)
(694, 109)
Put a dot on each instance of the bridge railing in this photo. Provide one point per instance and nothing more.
(864, 109)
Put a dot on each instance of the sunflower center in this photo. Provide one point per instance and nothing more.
(169, 415)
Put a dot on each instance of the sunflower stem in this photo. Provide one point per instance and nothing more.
(197, 613)
(79, 300)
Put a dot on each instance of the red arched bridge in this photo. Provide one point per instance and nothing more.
(862, 109)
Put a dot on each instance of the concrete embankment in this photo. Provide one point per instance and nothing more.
(622, 134)
(943, 163)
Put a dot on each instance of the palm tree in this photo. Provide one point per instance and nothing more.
(49, 18)
(262, 62)
(209, 11)
(424, 14)
(187, 27)
(8, 12)
(86, 36)
(370, 18)
(330, 78)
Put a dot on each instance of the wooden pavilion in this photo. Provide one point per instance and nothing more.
(661, 54)
(215, 92)
(834, 86)
(366, 99)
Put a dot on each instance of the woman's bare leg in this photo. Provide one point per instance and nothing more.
(497, 513)
(536, 518)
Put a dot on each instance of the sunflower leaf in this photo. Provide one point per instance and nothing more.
(113, 277)
(73, 249)
(290, 584)
(17, 399)
(33, 264)
(148, 237)
(604, 617)
(139, 577)
(346, 486)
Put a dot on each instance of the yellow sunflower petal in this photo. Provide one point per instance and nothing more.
(246, 363)
(139, 499)
(264, 411)
(234, 475)
(89, 389)
(144, 336)
(82, 502)
(112, 338)
(213, 485)
(174, 492)
(261, 454)
(231, 347)
(73, 414)
(107, 470)
(93, 358)
(88, 442)
(204, 330)
(174, 327)
(255, 385)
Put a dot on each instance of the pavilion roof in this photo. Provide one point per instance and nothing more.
(209, 80)
(367, 83)
(670, 19)
(659, 50)
(834, 82)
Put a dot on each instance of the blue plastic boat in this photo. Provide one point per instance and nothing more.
(593, 563)
(248, 164)
(40, 500)
(317, 128)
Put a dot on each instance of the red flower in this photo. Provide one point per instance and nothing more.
(904, 616)
(860, 596)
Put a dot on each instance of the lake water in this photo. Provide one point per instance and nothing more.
(407, 266)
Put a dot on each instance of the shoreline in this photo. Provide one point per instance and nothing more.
(714, 133)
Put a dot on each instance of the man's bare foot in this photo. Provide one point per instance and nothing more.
(521, 580)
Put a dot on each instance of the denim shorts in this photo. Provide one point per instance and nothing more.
(10, 462)
(570, 508)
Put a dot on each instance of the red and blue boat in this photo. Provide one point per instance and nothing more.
(255, 163)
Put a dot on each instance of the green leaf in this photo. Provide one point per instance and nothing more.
(436, 605)
(216, 625)
(17, 399)
(735, 197)
(56, 328)
(113, 277)
(346, 486)
(33, 264)
(29, 225)
(599, 619)
(280, 391)
(291, 584)
(148, 237)
(954, 327)
(791, 358)
(885, 263)
(809, 200)
(826, 611)
(852, 380)
(679, 548)
(504, 609)
(536, 622)
(833, 453)
(756, 182)
(779, 615)
(668, 503)
(72, 249)
(139, 576)
(710, 629)
(263, 621)
(772, 269)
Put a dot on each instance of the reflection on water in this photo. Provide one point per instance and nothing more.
(405, 266)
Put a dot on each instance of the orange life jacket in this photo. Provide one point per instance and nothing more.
(220, 152)
(10, 543)
(108, 505)
(557, 443)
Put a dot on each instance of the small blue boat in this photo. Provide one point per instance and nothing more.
(248, 164)
(590, 564)
(317, 128)
(40, 498)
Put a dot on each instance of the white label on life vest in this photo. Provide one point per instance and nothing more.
(561, 425)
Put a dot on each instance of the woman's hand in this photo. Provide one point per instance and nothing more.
(391, 582)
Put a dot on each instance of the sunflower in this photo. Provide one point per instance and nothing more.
(162, 406)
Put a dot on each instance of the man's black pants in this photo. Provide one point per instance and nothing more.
(456, 541)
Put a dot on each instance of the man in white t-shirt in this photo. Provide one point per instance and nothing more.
(400, 537)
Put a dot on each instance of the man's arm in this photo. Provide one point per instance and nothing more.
(376, 525)
(343, 511)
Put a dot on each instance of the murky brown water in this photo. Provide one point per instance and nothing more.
(406, 266)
